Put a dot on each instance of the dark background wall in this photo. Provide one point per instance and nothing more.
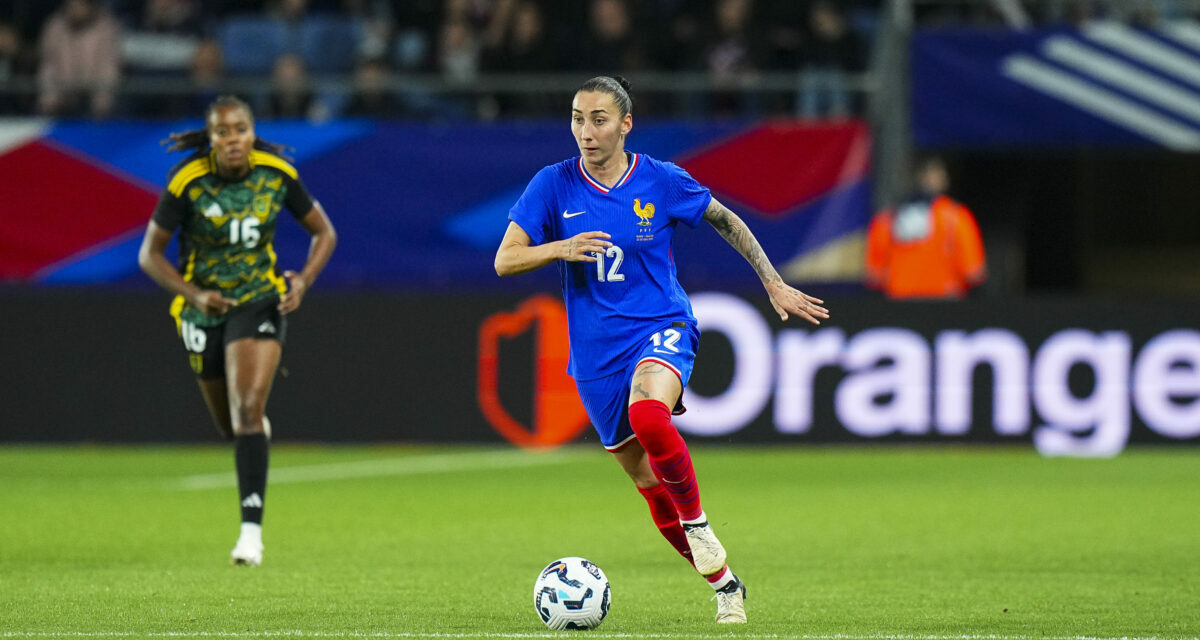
(95, 365)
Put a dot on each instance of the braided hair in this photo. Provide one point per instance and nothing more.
(197, 140)
(615, 86)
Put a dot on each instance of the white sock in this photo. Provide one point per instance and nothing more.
(726, 576)
(251, 531)
(701, 520)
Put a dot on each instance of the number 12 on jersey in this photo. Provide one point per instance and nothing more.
(613, 273)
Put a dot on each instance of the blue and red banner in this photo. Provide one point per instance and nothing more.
(420, 206)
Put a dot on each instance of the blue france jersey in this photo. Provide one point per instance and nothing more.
(615, 304)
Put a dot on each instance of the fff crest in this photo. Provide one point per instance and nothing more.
(644, 213)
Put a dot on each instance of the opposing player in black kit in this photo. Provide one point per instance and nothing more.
(230, 304)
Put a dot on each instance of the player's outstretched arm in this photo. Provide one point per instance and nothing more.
(784, 298)
(517, 253)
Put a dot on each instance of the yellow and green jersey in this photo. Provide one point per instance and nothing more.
(227, 227)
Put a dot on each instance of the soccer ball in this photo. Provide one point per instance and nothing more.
(571, 593)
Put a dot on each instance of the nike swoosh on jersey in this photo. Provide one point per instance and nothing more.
(572, 215)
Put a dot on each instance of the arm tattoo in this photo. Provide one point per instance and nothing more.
(738, 235)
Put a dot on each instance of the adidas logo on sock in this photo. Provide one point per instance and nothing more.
(253, 500)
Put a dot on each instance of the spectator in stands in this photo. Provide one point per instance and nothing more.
(832, 51)
(80, 66)
(458, 51)
(458, 60)
(611, 43)
(523, 45)
(378, 19)
(681, 41)
(16, 63)
(171, 16)
(416, 27)
(731, 57)
(291, 92)
(162, 44)
(784, 34)
(288, 11)
(373, 96)
(207, 74)
(927, 247)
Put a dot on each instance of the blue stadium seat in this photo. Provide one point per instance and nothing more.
(251, 44)
(329, 44)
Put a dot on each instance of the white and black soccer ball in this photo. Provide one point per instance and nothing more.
(571, 593)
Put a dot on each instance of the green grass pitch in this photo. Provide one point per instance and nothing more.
(431, 542)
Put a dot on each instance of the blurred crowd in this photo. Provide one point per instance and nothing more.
(405, 58)
(320, 58)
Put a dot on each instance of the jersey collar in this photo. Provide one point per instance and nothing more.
(633, 163)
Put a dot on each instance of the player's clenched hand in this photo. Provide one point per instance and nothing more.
(786, 300)
(582, 247)
(212, 303)
(297, 286)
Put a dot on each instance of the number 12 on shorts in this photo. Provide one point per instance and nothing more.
(666, 340)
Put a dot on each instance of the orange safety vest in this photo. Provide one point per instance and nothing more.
(925, 249)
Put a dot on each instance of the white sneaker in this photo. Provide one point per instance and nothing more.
(249, 548)
(707, 552)
(731, 603)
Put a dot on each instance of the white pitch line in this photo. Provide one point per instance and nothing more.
(299, 633)
(395, 466)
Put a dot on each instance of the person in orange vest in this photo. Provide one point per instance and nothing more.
(927, 247)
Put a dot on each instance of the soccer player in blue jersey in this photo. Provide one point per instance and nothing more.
(607, 218)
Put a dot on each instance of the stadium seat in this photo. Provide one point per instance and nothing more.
(329, 44)
(251, 44)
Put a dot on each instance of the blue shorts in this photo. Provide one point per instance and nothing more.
(607, 399)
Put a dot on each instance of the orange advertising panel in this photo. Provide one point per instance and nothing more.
(558, 414)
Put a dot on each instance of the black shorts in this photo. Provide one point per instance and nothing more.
(206, 345)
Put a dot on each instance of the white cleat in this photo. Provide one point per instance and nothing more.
(707, 552)
(731, 603)
(246, 553)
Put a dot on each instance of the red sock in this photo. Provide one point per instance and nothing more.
(720, 578)
(651, 422)
(665, 516)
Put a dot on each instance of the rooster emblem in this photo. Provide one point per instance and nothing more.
(645, 213)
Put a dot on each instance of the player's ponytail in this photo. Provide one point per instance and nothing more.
(615, 86)
(197, 140)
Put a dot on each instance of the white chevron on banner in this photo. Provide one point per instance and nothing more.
(1145, 49)
(1185, 32)
(1101, 102)
(15, 132)
(1124, 76)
